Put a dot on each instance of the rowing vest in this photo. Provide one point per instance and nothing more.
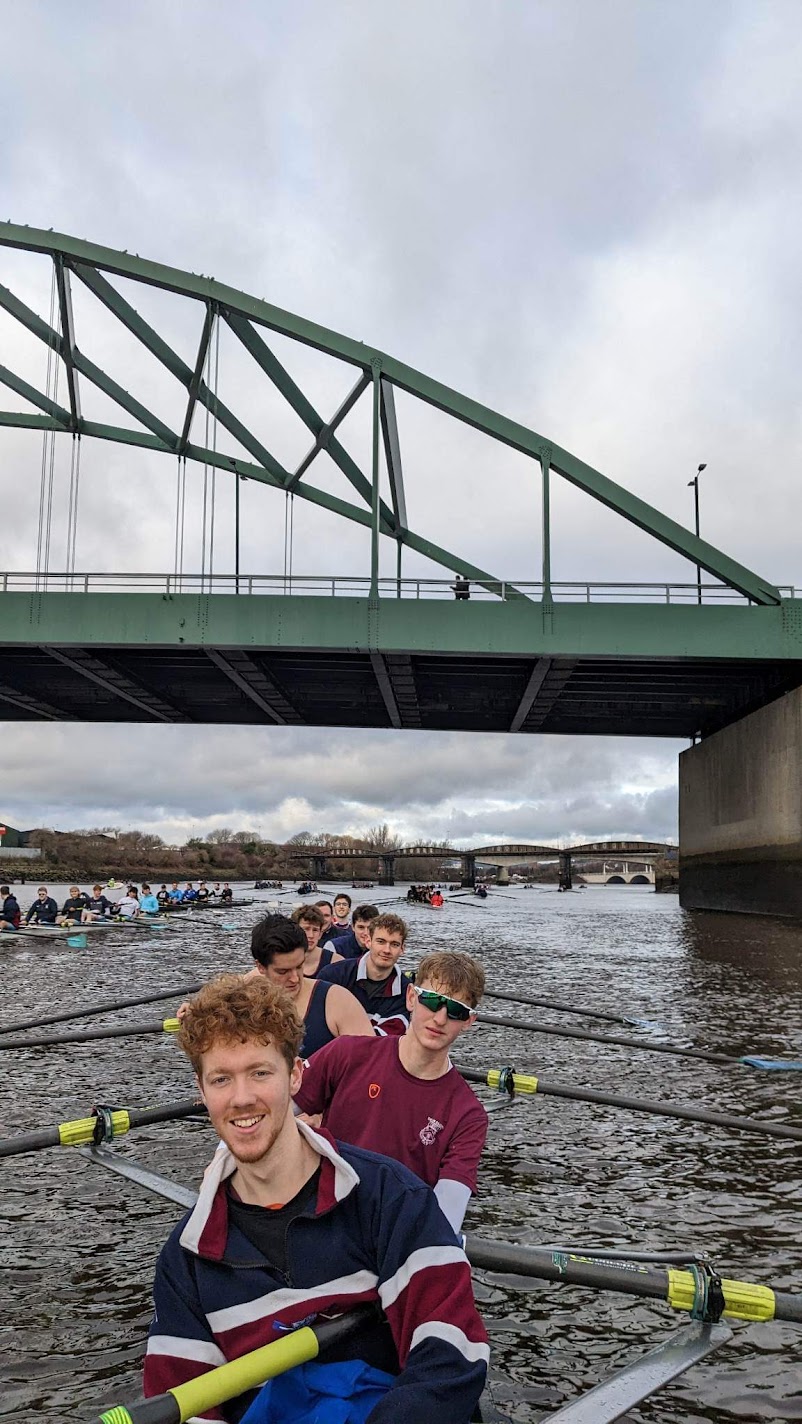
(316, 1030)
(326, 956)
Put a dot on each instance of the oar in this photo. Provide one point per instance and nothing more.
(204, 1393)
(89, 1035)
(87, 1011)
(564, 1008)
(526, 1083)
(706, 1055)
(82, 1130)
(652, 1279)
(681, 1289)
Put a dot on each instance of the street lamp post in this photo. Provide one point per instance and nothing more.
(695, 483)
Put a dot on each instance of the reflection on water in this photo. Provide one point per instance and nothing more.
(77, 1247)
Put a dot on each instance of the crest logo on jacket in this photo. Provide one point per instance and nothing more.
(428, 1133)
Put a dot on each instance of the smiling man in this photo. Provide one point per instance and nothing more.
(375, 979)
(290, 1225)
(401, 1096)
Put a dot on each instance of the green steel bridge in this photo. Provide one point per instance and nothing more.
(468, 650)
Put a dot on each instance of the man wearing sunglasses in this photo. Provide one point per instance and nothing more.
(402, 1096)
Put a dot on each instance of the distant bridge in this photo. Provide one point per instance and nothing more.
(502, 856)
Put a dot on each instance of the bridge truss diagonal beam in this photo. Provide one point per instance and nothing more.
(256, 685)
(117, 683)
(537, 678)
(392, 454)
(35, 705)
(386, 688)
(196, 378)
(60, 416)
(68, 341)
(548, 693)
(326, 431)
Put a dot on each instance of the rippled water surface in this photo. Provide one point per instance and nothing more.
(78, 1246)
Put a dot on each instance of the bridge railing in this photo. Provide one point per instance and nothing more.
(345, 586)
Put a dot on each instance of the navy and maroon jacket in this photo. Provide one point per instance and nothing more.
(388, 1012)
(376, 1233)
(10, 910)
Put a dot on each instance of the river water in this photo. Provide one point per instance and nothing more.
(78, 1246)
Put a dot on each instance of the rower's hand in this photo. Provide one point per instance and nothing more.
(311, 1119)
(181, 1010)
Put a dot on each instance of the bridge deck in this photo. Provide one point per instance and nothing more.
(477, 666)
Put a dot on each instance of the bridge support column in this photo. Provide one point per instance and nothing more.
(565, 881)
(468, 880)
(740, 815)
(387, 876)
(318, 867)
(503, 877)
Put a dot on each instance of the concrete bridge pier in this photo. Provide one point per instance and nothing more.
(468, 880)
(318, 867)
(387, 875)
(565, 881)
(740, 815)
(503, 877)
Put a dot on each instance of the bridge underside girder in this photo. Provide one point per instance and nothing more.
(640, 671)
(468, 693)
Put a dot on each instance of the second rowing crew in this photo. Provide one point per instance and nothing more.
(126, 903)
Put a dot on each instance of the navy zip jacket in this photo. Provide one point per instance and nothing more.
(376, 1234)
(43, 911)
(347, 945)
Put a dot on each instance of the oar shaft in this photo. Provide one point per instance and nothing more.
(89, 1035)
(619, 1039)
(556, 1004)
(743, 1300)
(81, 1131)
(528, 1083)
(107, 1008)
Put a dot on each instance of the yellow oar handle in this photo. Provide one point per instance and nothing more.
(743, 1300)
(522, 1082)
(248, 1372)
(171, 1025)
(82, 1129)
(206, 1391)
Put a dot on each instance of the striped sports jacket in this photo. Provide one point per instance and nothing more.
(376, 1234)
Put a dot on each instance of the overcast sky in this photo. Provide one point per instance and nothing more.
(584, 213)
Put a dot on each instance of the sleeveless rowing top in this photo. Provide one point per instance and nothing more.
(326, 956)
(316, 1030)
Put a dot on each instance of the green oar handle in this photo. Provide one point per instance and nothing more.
(250, 1371)
(90, 1035)
(622, 1040)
